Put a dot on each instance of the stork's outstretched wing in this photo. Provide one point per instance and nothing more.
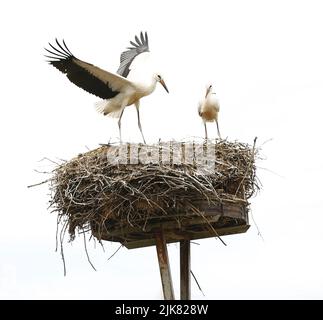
(126, 58)
(92, 79)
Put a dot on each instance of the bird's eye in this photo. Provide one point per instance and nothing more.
(159, 77)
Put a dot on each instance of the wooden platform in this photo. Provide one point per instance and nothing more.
(210, 221)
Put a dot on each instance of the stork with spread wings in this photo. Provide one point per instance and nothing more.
(117, 90)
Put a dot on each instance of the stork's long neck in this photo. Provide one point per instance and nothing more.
(208, 93)
(152, 85)
(147, 87)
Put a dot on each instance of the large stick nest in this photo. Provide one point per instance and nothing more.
(91, 191)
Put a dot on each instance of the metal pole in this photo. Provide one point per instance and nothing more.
(185, 262)
(164, 267)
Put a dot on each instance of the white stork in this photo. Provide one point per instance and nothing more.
(208, 109)
(132, 81)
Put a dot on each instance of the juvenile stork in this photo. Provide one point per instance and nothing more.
(132, 81)
(208, 110)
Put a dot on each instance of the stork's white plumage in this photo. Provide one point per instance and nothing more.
(208, 109)
(133, 80)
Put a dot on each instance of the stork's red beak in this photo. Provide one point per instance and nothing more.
(164, 85)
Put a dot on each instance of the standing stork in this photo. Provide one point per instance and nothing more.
(208, 109)
(132, 81)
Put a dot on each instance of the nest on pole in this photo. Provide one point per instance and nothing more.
(121, 193)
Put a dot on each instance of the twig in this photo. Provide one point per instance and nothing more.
(115, 252)
(38, 184)
(197, 283)
(258, 230)
(87, 254)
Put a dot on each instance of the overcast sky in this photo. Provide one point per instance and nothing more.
(265, 60)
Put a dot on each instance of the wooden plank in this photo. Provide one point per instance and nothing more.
(211, 214)
(164, 266)
(121, 230)
(185, 267)
(234, 219)
(194, 236)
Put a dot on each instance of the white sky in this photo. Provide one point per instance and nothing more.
(265, 59)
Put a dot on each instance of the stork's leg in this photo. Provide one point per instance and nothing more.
(205, 131)
(139, 124)
(217, 126)
(119, 124)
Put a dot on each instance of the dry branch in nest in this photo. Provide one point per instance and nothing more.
(134, 186)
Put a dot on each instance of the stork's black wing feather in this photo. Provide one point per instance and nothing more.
(129, 55)
(79, 73)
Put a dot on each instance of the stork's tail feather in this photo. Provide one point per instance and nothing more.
(100, 106)
(105, 107)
